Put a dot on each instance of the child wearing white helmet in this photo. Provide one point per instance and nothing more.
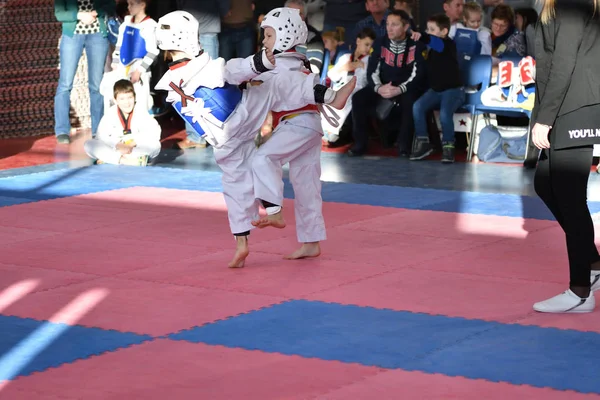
(296, 139)
(205, 93)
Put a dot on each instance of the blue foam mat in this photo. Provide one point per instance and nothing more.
(517, 354)
(77, 181)
(28, 346)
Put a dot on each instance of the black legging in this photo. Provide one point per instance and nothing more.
(561, 181)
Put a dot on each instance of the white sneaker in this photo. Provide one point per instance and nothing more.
(595, 280)
(566, 302)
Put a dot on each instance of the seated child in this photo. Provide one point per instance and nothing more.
(446, 89)
(205, 94)
(470, 37)
(347, 66)
(134, 54)
(127, 134)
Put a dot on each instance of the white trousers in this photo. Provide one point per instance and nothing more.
(296, 141)
(98, 150)
(285, 91)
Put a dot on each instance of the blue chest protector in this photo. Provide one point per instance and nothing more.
(221, 101)
(467, 45)
(133, 46)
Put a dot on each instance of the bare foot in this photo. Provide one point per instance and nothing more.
(342, 94)
(307, 250)
(275, 220)
(241, 252)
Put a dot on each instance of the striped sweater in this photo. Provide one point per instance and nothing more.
(400, 63)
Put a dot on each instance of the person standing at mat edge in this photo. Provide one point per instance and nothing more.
(566, 125)
(83, 27)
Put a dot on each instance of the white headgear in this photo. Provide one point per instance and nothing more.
(178, 30)
(290, 30)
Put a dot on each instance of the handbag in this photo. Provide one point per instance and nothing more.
(383, 108)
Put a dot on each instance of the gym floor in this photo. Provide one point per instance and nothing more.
(114, 285)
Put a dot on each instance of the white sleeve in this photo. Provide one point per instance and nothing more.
(361, 74)
(484, 37)
(335, 73)
(238, 70)
(148, 31)
(452, 32)
(149, 132)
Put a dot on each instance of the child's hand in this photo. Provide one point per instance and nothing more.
(123, 148)
(135, 76)
(415, 36)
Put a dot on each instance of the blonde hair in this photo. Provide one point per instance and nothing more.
(471, 7)
(337, 35)
(549, 13)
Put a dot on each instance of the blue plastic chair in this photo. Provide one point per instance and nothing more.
(502, 111)
(477, 75)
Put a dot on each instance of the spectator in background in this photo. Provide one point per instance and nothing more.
(395, 73)
(506, 39)
(471, 21)
(238, 31)
(83, 27)
(209, 14)
(314, 47)
(454, 10)
(378, 10)
(525, 21)
(407, 7)
(315, 13)
(344, 13)
(446, 88)
(489, 5)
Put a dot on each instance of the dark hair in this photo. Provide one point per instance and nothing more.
(409, 3)
(504, 13)
(367, 33)
(530, 16)
(123, 86)
(403, 15)
(441, 20)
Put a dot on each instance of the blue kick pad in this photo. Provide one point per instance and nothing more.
(28, 346)
(77, 181)
(517, 354)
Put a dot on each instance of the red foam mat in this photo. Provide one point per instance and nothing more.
(178, 370)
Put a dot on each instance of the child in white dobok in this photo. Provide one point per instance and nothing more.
(296, 139)
(127, 134)
(134, 54)
(204, 92)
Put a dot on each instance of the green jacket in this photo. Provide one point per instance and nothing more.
(66, 13)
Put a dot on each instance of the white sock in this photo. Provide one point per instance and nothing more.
(273, 210)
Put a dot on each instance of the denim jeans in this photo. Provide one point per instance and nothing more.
(71, 49)
(209, 42)
(237, 42)
(449, 101)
